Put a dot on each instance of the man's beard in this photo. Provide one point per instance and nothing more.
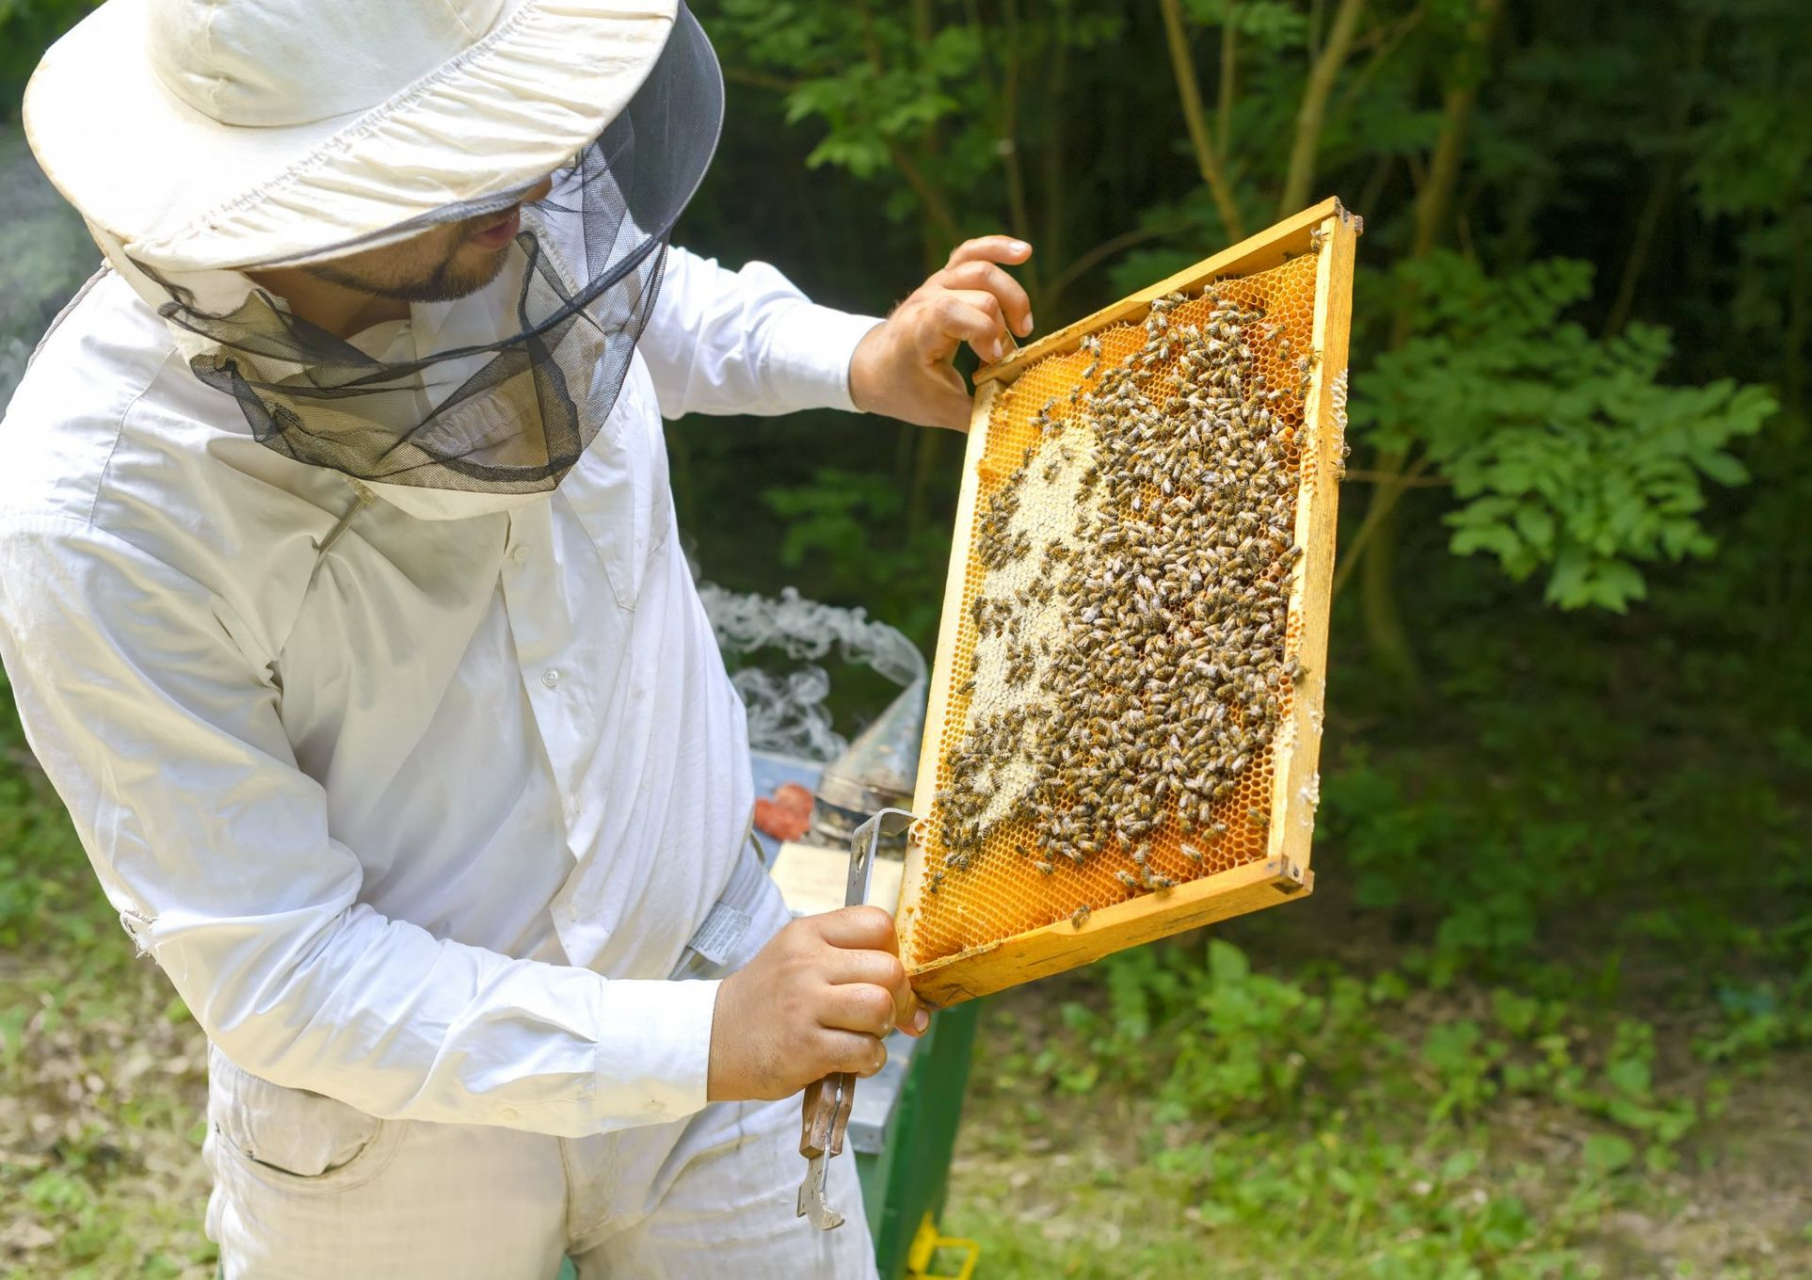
(447, 282)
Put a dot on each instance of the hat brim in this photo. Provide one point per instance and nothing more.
(183, 192)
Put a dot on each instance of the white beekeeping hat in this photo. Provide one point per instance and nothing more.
(222, 133)
(203, 139)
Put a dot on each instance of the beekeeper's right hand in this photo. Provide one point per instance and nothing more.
(818, 998)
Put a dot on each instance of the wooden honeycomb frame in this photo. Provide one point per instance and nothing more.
(1280, 870)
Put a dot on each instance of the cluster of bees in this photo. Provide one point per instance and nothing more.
(1135, 664)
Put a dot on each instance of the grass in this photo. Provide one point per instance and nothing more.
(102, 1071)
(1174, 1112)
(102, 1091)
(1368, 1129)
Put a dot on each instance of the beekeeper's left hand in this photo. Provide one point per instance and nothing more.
(903, 368)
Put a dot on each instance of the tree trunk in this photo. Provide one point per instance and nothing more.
(1380, 610)
(1661, 188)
(1311, 115)
(1386, 636)
(1210, 163)
(1791, 624)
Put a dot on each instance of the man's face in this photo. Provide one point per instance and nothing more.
(439, 265)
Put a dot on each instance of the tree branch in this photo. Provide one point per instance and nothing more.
(1374, 185)
(1056, 79)
(1660, 191)
(1223, 110)
(1207, 160)
(1436, 196)
(1433, 201)
(1009, 139)
(1387, 42)
(1105, 250)
(1300, 175)
(1392, 484)
(759, 79)
(936, 203)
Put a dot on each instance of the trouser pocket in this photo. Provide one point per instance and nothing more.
(291, 1137)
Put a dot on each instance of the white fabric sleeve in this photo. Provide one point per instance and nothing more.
(746, 341)
(163, 737)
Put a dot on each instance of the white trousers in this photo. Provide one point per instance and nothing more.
(308, 1188)
(711, 1198)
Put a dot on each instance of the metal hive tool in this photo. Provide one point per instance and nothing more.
(999, 887)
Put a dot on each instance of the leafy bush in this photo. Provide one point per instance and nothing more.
(1244, 1043)
(1565, 451)
(844, 525)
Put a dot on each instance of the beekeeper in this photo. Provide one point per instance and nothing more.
(343, 604)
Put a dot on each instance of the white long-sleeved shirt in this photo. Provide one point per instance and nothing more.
(415, 813)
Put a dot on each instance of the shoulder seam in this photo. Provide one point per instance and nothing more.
(68, 308)
(119, 432)
(217, 601)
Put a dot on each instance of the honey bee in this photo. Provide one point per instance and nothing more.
(1157, 689)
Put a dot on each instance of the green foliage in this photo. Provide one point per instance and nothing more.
(35, 835)
(1565, 451)
(1388, 1133)
(1752, 150)
(45, 253)
(869, 109)
(26, 28)
(1564, 913)
(841, 523)
(1244, 1048)
(1243, 1042)
(1270, 24)
(1492, 844)
(47, 896)
(877, 83)
(1762, 1018)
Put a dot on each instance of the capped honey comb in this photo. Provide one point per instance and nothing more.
(1045, 840)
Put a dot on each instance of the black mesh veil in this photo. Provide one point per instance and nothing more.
(523, 372)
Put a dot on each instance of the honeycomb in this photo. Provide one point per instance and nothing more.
(1032, 483)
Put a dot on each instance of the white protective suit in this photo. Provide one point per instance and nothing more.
(418, 808)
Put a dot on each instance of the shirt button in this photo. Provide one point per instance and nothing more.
(550, 677)
(518, 554)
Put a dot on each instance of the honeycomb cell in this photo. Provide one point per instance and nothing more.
(1005, 885)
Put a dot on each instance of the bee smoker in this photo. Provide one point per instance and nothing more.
(877, 772)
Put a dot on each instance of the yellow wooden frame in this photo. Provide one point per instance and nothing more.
(1284, 871)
